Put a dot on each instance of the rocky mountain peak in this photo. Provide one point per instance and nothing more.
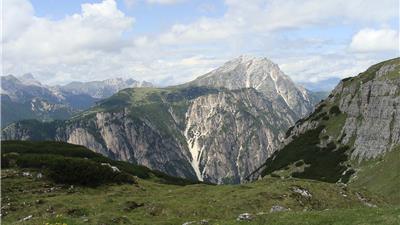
(263, 75)
(29, 79)
(9, 77)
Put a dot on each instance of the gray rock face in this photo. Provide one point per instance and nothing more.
(229, 134)
(371, 105)
(373, 112)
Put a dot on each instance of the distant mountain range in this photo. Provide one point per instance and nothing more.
(103, 89)
(217, 128)
(26, 98)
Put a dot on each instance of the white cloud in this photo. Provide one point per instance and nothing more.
(96, 43)
(371, 40)
(164, 2)
(17, 16)
(314, 69)
(72, 40)
(257, 16)
(131, 3)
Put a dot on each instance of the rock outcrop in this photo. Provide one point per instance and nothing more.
(359, 120)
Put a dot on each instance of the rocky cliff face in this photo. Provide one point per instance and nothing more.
(372, 105)
(230, 133)
(218, 128)
(359, 120)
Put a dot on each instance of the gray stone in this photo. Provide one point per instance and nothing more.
(278, 208)
(245, 217)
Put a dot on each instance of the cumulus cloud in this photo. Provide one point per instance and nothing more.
(18, 15)
(131, 3)
(372, 40)
(315, 69)
(98, 26)
(39, 42)
(259, 16)
(97, 42)
(165, 2)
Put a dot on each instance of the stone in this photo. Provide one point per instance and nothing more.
(26, 218)
(114, 168)
(277, 208)
(26, 174)
(245, 217)
(303, 192)
(188, 223)
(203, 222)
(131, 205)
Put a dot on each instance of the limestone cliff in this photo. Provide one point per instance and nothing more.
(359, 120)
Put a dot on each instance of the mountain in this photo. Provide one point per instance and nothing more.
(352, 131)
(104, 88)
(26, 98)
(217, 133)
(265, 77)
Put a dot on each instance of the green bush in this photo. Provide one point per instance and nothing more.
(299, 163)
(334, 110)
(324, 164)
(48, 147)
(42, 154)
(73, 170)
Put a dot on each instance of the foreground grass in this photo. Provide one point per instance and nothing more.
(380, 175)
(153, 203)
(358, 216)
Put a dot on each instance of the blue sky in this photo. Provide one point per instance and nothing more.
(173, 41)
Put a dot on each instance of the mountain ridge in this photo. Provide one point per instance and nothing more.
(359, 121)
(215, 133)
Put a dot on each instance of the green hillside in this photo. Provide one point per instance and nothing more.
(381, 175)
(154, 198)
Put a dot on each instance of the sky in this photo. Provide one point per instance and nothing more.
(169, 42)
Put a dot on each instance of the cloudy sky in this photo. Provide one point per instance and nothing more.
(172, 41)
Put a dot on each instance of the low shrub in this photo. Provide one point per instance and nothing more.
(324, 164)
(46, 154)
(73, 170)
(299, 163)
(334, 110)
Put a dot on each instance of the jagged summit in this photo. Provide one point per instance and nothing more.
(104, 88)
(263, 75)
(247, 62)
